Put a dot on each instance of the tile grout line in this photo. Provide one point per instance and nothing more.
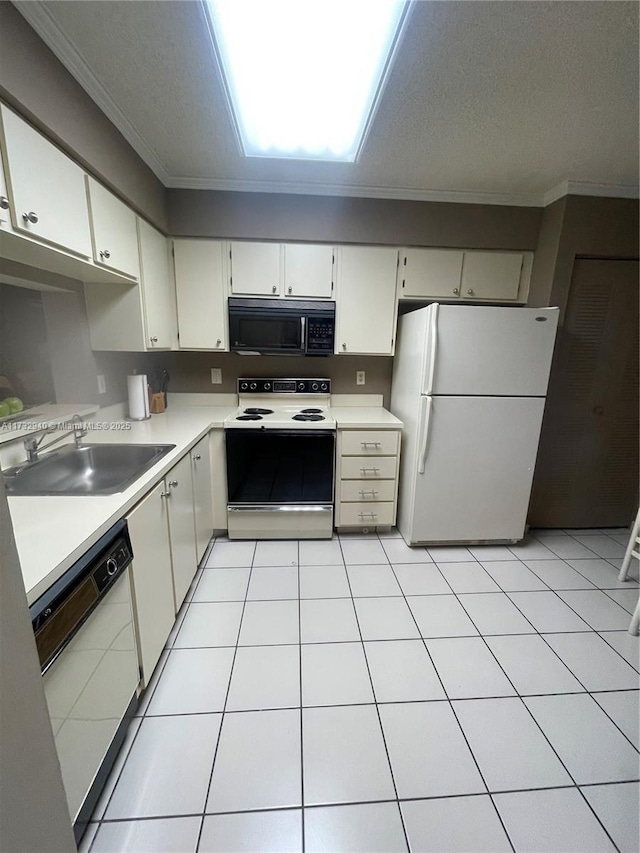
(224, 707)
(450, 703)
(375, 700)
(302, 806)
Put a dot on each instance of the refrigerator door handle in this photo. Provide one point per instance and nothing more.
(426, 423)
(433, 346)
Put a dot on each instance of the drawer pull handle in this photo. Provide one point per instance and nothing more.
(375, 471)
(370, 444)
(367, 514)
(365, 492)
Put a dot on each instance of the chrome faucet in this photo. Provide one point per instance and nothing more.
(33, 445)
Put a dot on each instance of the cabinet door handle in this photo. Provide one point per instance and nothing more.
(456, 291)
(165, 494)
(372, 470)
(197, 457)
(274, 289)
(172, 484)
(372, 492)
(153, 339)
(218, 342)
(470, 292)
(289, 289)
(368, 514)
(344, 347)
(4, 202)
(105, 254)
(370, 444)
(30, 217)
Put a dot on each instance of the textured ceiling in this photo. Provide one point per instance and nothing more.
(509, 98)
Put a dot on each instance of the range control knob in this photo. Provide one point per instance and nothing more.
(267, 386)
(253, 386)
(244, 386)
(314, 386)
(301, 386)
(324, 386)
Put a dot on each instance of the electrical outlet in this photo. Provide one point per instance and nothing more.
(102, 385)
(360, 377)
(216, 376)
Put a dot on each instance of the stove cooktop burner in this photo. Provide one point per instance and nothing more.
(310, 411)
(254, 411)
(249, 418)
(307, 417)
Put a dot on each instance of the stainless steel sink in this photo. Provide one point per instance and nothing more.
(92, 469)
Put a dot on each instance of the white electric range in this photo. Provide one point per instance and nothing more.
(280, 451)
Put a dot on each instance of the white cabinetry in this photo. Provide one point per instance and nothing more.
(496, 276)
(181, 527)
(151, 576)
(367, 478)
(132, 317)
(430, 273)
(366, 302)
(5, 215)
(200, 272)
(308, 270)
(255, 269)
(157, 288)
(113, 230)
(202, 495)
(46, 189)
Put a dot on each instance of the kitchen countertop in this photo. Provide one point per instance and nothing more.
(53, 532)
(364, 417)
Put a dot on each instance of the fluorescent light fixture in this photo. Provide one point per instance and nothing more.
(303, 76)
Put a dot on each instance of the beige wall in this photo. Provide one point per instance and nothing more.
(33, 809)
(273, 216)
(36, 84)
(191, 371)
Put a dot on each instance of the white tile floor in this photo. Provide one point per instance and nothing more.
(361, 695)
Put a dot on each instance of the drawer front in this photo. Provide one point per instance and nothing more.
(364, 468)
(366, 514)
(363, 490)
(370, 442)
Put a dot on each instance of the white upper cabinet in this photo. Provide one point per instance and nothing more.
(430, 273)
(47, 190)
(255, 269)
(5, 215)
(366, 300)
(157, 288)
(495, 276)
(113, 231)
(201, 294)
(308, 270)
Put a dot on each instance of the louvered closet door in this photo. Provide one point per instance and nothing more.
(587, 469)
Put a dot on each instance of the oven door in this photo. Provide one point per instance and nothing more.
(271, 330)
(280, 483)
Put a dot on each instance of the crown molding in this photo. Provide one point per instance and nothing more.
(584, 188)
(36, 14)
(356, 191)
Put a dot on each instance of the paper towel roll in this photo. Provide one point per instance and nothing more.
(138, 397)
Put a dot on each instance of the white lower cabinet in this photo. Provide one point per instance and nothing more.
(151, 577)
(367, 477)
(202, 494)
(182, 531)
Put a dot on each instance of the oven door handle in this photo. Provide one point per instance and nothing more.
(282, 508)
(303, 334)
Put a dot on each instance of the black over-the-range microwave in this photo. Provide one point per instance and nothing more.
(272, 327)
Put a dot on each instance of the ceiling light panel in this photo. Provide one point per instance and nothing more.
(303, 76)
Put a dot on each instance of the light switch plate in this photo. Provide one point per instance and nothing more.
(102, 385)
(360, 377)
(216, 376)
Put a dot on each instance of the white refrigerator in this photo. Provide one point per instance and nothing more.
(469, 382)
